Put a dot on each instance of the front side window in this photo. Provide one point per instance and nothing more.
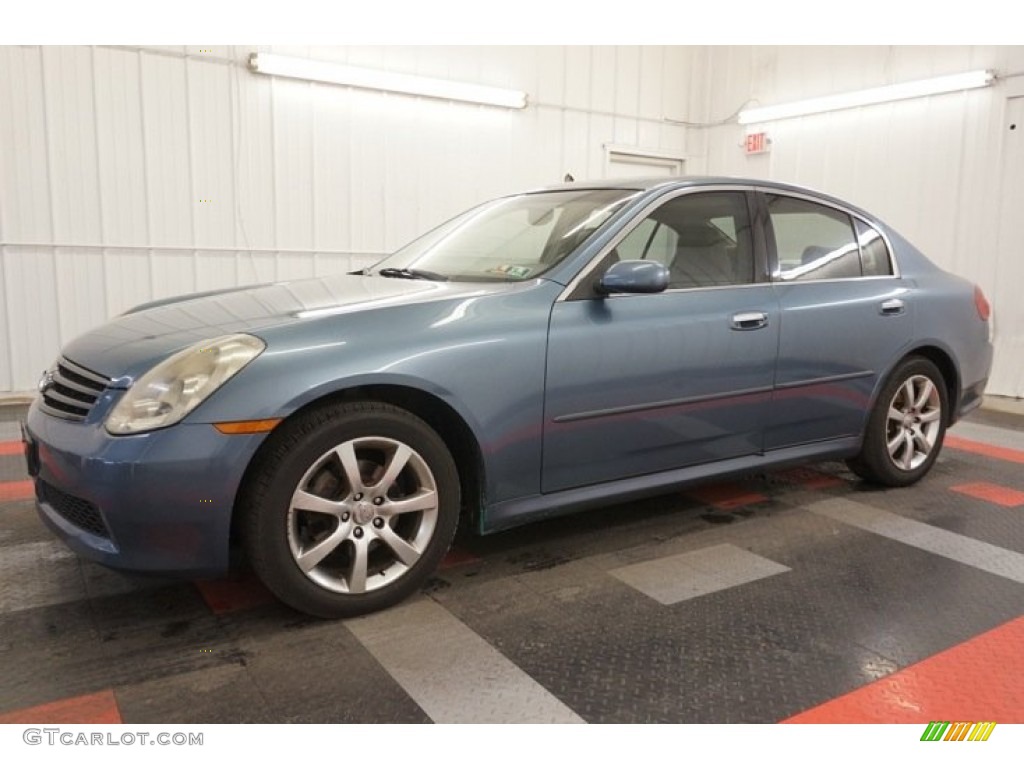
(703, 238)
(511, 239)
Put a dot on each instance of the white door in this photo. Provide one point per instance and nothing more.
(1008, 366)
(623, 165)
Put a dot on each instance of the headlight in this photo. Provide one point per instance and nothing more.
(170, 390)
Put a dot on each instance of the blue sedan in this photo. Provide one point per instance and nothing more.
(542, 353)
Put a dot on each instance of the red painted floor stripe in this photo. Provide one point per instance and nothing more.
(810, 478)
(11, 448)
(997, 494)
(92, 708)
(457, 556)
(823, 481)
(235, 593)
(725, 495)
(984, 449)
(979, 680)
(17, 490)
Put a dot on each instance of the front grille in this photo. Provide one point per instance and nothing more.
(70, 391)
(78, 512)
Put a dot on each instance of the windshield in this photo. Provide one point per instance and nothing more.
(510, 239)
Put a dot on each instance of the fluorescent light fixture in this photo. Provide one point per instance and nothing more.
(881, 95)
(378, 80)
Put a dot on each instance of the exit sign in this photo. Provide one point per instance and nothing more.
(757, 143)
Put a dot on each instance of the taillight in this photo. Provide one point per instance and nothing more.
(981, 304)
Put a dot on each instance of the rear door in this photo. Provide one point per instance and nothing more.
(845, 317)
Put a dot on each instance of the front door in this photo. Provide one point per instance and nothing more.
(638, 384)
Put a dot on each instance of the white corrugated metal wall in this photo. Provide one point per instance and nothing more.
(938, 169)
(128, 174)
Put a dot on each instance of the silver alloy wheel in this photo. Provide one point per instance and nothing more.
(362, 515)
(913, 422)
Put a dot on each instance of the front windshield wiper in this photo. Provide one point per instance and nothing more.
(411, 274)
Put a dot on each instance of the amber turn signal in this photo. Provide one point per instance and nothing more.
(247, 427)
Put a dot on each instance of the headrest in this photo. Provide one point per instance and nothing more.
(698, 236)
(814, 252)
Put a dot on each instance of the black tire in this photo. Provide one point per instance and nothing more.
(301, 467)
(916, 390)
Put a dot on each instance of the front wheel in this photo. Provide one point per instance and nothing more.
(907, 426)
(350, 508)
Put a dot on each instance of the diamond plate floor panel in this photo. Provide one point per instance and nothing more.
(312, 671)
(451, 671)
(693, 574)
(976, 680)
(931, 501)
(755, 653)
(815, 586)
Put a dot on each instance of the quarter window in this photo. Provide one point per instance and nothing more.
(874, 254)
(703, 238)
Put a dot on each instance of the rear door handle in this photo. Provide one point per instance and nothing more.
(749, 321)
(892, 307)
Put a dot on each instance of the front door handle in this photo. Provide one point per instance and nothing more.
(749, 321)
(892, 307)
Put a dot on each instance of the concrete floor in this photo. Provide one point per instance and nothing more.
(802, 595)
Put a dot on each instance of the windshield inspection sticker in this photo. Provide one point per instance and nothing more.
(512, 270)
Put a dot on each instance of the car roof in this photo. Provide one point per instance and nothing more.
(681, 182)
(653, 182)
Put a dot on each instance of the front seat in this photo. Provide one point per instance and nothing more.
(702, 258)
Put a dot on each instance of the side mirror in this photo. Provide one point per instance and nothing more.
(634, 277)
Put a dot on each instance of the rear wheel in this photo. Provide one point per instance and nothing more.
(350, 509)
(907, 426)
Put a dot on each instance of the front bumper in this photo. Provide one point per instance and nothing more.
(158, 502)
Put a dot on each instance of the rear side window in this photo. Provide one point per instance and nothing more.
(812, 241)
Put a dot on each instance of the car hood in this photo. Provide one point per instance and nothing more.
(131, 344)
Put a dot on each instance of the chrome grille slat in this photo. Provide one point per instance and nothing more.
(55, 395)
(72, 391)
(85, 373)
(69, 384)
(54, 408)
